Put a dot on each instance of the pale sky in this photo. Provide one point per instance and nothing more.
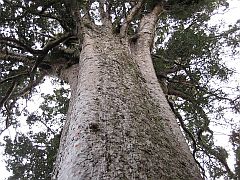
(230, 17)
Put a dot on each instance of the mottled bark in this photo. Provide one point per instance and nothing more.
(119, 124)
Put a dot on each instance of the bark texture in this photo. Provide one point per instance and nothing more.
(119, 124)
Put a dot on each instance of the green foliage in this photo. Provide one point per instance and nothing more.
(31, 156)
(186, 64)
(235, 140)
(187, 9)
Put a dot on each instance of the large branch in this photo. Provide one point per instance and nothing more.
(55, 42)
(48, 47)
(104, 15)
(146, 32)
(134, 11)
(15, 57)
(13, 77)
(18, 43)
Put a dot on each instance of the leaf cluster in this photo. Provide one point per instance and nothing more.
(32, 155)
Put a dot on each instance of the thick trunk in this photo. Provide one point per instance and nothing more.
(119, 123)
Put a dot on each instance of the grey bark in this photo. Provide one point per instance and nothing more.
(119, 124)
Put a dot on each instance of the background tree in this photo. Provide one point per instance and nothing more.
(31, 155)
(45, 38)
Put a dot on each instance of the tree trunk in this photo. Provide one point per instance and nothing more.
(119, 124)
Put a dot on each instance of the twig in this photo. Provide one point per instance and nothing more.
(8, 93)
(194, 143)
(19, 43)
(13, 77)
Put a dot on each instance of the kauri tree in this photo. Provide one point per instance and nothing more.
(140, 74)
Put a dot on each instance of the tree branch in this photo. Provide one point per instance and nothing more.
(14, 57)
(53, 43)
(13, 77)
(30, 86)
(49, 46)
(8, 93)
(177, 93)
(104, 15)
(146, 32)
(134, 11)
(194, 143)
(20, 44)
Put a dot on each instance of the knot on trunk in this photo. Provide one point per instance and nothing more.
(94, 127)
